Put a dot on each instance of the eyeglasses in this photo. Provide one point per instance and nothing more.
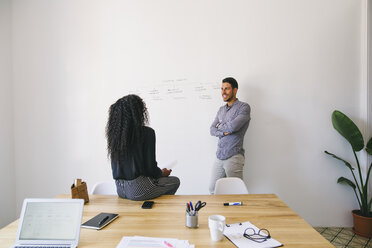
(261, 236)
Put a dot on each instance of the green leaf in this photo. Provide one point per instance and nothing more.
(336, 157)
(369, 146)
(346, 181)
(347, 128)
(368, 174)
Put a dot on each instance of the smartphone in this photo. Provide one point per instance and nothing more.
(147, 204)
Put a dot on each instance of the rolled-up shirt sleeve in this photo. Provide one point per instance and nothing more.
(238, 122)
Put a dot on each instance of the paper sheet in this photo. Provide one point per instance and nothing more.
(234, 232)
(169, 165)
(150, 242)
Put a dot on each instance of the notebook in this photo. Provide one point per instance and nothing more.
(49, 223)
(100, 221)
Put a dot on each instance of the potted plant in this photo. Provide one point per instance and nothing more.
(347, 128)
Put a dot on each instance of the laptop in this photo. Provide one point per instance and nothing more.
(49, 223)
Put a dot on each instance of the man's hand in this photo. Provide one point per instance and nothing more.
(166, 172)
(226, 134)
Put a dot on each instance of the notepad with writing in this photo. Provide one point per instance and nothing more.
(234, 232)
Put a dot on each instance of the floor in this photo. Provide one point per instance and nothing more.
(344, 237)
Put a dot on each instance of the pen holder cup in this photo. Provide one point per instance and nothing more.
(192, 220)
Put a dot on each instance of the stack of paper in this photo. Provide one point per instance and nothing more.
(146, 242)
(234, 232)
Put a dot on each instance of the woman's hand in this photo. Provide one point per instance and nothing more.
(166, 172)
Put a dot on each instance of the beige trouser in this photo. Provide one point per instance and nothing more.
(231, 167)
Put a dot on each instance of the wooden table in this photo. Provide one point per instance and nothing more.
(167, 219)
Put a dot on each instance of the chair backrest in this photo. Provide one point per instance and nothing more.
(104, 188)
(230, 185)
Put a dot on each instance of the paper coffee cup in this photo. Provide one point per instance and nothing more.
(216, 225)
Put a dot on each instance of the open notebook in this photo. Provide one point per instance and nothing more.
(49, 223)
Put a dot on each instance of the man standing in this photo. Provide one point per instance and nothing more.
(230, 125)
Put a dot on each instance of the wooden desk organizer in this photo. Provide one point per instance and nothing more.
(79, 190)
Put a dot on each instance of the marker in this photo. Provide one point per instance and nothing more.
(233, 204)
(168, 244)
(103, 220)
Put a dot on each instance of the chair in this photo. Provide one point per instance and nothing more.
(230, 185)
(104, 188)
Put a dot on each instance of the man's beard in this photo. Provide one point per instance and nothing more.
(228, 99)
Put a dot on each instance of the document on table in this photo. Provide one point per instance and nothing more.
(150, 242)
(234, 232)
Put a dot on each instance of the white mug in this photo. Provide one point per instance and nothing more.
(216, 226)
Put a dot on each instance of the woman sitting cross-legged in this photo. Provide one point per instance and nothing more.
(131, 148)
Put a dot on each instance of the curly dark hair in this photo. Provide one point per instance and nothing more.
(124, 129)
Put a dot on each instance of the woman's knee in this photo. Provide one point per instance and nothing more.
(176, 180)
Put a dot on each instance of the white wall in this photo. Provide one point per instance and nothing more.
(7, 177)
(296, 61)
(369, 78)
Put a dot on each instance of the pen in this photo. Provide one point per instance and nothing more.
(187, 208)
(232, 203)
(103, 220)
(192, 209)
(191, 206)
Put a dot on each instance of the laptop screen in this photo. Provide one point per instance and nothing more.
(50, 221)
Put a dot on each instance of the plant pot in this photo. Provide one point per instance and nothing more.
(362, 225)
